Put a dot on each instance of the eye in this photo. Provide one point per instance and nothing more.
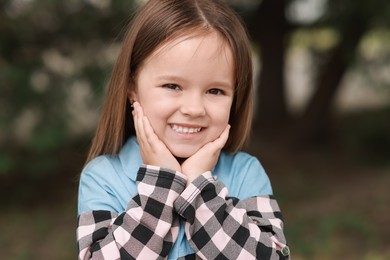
(216, 91)
(171, 86)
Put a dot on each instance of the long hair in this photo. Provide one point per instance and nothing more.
(155, 23)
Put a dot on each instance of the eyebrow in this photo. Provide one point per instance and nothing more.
(181, 79)
(171, 77)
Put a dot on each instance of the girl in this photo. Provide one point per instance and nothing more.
(164, 177)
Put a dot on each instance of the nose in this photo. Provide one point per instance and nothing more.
(193, 105)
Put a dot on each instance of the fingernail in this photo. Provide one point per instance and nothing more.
(136, 106)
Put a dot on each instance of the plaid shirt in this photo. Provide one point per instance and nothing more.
(217, 226)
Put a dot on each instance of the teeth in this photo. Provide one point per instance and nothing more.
(185, 130)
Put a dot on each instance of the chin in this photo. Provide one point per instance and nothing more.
(184, 153)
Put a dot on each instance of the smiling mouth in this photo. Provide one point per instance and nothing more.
(185, 130)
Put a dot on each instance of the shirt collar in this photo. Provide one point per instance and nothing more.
(131, 160)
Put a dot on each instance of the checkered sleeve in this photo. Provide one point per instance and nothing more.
(222, 227)
(146, 230)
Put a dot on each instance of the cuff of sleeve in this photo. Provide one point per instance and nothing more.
(192, 191)
(161, 177)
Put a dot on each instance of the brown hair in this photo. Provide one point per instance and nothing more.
(155, 23)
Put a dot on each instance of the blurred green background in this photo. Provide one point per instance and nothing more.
(322, 121)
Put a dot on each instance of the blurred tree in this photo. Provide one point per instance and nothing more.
(271, 30)
(55, 58)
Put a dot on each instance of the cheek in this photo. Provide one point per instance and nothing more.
(220, 118)
(222, 114)
(147, 102)
(153, 117)
(156, 115)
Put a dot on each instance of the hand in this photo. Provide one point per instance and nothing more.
(205, 158)
(153, 150)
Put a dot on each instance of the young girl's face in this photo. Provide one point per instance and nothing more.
(186, 89)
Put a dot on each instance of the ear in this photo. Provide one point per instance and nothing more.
(131, 94)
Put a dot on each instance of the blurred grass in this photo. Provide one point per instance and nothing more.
(44, 232)
(333, 210)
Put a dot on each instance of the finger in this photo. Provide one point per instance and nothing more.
(150, 135)
(225, 134)
(135, 118)
(139, 118)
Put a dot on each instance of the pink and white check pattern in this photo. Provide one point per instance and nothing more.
(217, 226)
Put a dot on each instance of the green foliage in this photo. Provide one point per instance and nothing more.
(55, 59)
(366, 135)
(6, 163)
(345, 13)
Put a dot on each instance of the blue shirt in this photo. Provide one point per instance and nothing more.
(109, 183)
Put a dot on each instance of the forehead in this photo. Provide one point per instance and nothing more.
(192, 60)
(196, 41)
